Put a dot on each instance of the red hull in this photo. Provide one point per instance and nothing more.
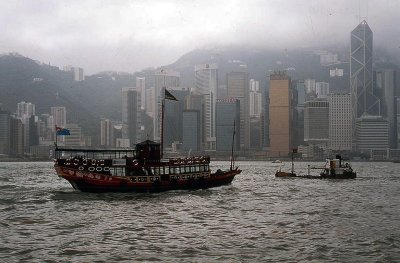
(96, 182)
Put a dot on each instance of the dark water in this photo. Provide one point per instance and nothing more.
(259, 218)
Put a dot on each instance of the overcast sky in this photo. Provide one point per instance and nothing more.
(133, 34)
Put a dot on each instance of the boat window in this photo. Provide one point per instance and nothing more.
(119, 162)
(175, 170)
(117, 171)
(166, 170)
(201, 168)
(156, 170)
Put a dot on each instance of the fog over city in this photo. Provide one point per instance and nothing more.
(132, 35)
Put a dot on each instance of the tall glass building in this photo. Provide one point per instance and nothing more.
(228, 111)
(361, 75)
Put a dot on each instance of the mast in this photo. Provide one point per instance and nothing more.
(233, 143)
(292, 161)
(162, 127)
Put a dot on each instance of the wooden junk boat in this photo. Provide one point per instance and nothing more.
(138, 170)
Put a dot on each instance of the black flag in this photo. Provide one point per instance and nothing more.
(169, 96)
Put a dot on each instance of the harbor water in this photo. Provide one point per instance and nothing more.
(258, 218)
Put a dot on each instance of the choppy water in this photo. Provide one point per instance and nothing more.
(259, 218)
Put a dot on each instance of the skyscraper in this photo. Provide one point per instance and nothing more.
(363, 98)
(237, 86)
(106, 133)
(206, 82)
(316, 122)
(59, 119)
(5, 123)
(255, 98)
(322, 89)
(141, 87)
(385, 86)
(163, 79)
(59, 116)
(227, 112)
(24, 112)
(191, 130)
(280, 114)
(131, 116)
(340, 122)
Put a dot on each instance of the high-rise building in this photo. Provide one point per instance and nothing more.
(372, 133)
(59, 116)
(150, 102)
(195, 101)
(106, 133)
(322, 89)
(76, 71)
(255, 98)
(164, 79)
(256, 114)
(59, 119)
(24, 112)
(191, 130)
(75, 137)
(385, 87)
(228, 112)
(300, 90)
(363, 98)
(398, 121)
(280, 114)
(78, 74)
(5, 122)
(316, 122)
(141, 87)
(173, 117)
(206, 83)
(309, 85)
(16, 137)
(131, 115)
(33, 131)
(237, 85)
(340, 122)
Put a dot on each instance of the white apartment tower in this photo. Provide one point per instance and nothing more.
(59, 116)
(255, 98)
(106, 133)
(206, 82)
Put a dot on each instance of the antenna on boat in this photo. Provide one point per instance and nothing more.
(233, 143)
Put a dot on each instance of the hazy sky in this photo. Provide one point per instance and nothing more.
(131, 35)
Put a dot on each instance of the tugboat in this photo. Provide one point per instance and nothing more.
(141, 169)
(333, 169)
